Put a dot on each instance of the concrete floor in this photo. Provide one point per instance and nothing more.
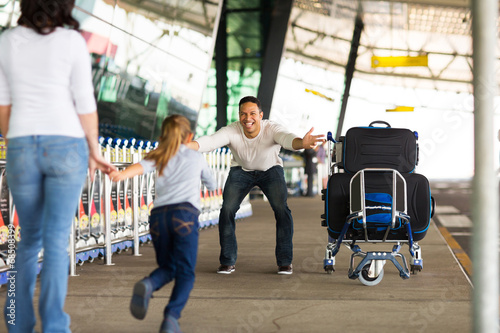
(256, 299)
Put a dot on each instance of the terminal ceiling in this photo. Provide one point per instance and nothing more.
(320, 33)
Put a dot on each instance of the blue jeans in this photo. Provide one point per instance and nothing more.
(45, 176)
(174, 230)
(238, 185)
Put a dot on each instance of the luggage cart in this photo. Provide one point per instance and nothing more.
(374, 196)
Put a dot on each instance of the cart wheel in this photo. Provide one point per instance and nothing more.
(367, 280)
(91, 259)
(329, 269)
(415, 269)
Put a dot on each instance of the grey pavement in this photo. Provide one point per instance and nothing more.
(256, 299)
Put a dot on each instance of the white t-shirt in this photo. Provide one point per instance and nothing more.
(259, 153)
(48, 81)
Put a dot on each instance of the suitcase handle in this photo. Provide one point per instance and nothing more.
(379, 122)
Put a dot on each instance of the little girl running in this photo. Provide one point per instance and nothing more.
(174, 220)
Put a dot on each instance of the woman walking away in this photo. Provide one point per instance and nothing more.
(174, 220)
(48, 116)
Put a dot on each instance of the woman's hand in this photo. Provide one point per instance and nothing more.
(97, 161)
(131, 171)
(116, 176)
(90, 125)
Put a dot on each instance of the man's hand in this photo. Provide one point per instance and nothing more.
(308, 141)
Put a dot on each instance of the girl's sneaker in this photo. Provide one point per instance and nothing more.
(140, 298)
(170, 325)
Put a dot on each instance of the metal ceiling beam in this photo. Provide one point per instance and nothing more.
(273, 53)
(322, 61)
(371, 47)
(300, 52)
(349, 71)
(221, 68)
(433, 3)
(159, 9)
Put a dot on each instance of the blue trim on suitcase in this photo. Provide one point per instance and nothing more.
(327, 205)
(430, 213)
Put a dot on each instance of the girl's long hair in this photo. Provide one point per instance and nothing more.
(44, 16)
(175, 130)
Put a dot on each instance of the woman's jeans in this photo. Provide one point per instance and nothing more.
(273, 185)
(174, 230)
(45, 175)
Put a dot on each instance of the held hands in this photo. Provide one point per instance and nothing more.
(97, 161)
(116, 176)
(310, 141)
(131, 171)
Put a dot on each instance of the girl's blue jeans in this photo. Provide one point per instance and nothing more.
(45, 175)
(174, 230)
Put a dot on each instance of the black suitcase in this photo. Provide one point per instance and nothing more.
(419, 206)
(380, 147)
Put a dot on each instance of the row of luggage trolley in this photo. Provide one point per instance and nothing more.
(375, 196)
(113, 216)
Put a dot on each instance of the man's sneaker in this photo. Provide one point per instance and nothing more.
(285, 270)
(140, 298)
(226, 269)
(170, 325)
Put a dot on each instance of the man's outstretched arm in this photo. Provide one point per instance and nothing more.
(308, 141)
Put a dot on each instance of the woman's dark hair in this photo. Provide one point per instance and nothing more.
(250, 99)
(44, 16)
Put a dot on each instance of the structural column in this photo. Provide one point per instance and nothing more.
(485, 184)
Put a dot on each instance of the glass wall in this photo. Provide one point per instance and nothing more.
(247, 21)
(8, 13)
(149, 59)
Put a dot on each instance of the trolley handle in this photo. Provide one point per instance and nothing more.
(379, 122)
(329, 137)
(329, 155)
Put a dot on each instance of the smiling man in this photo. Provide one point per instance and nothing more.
(255, 144)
